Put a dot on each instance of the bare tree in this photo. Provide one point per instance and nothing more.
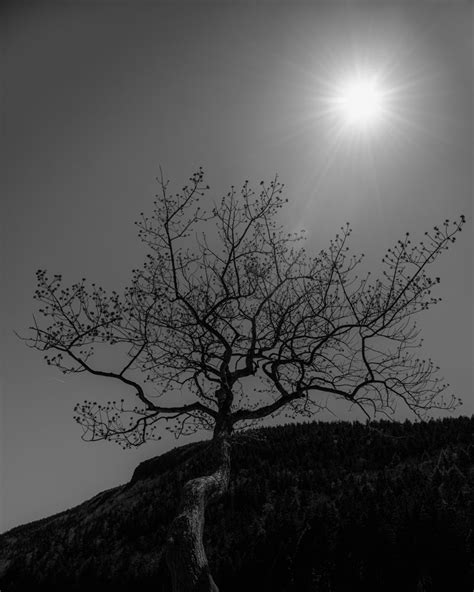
(229, 321)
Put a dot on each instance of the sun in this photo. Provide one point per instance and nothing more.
(360, 101)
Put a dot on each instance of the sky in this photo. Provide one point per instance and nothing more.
(96, 96)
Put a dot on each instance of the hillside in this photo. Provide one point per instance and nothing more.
(320, 506)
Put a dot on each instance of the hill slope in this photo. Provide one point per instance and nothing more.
(320, 506)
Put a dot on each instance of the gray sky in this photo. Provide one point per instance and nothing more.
(98, 95)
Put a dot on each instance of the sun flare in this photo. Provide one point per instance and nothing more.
(360, 101)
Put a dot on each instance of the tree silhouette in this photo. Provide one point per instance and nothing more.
(230, 320)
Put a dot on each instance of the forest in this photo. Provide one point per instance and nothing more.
(324, 507)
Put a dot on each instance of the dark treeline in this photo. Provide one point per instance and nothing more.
(321, 507)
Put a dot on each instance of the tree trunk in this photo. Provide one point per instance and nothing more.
(185, 554)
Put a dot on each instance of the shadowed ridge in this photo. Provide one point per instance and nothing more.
(337, 501)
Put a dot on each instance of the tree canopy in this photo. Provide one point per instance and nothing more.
(230, 320)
